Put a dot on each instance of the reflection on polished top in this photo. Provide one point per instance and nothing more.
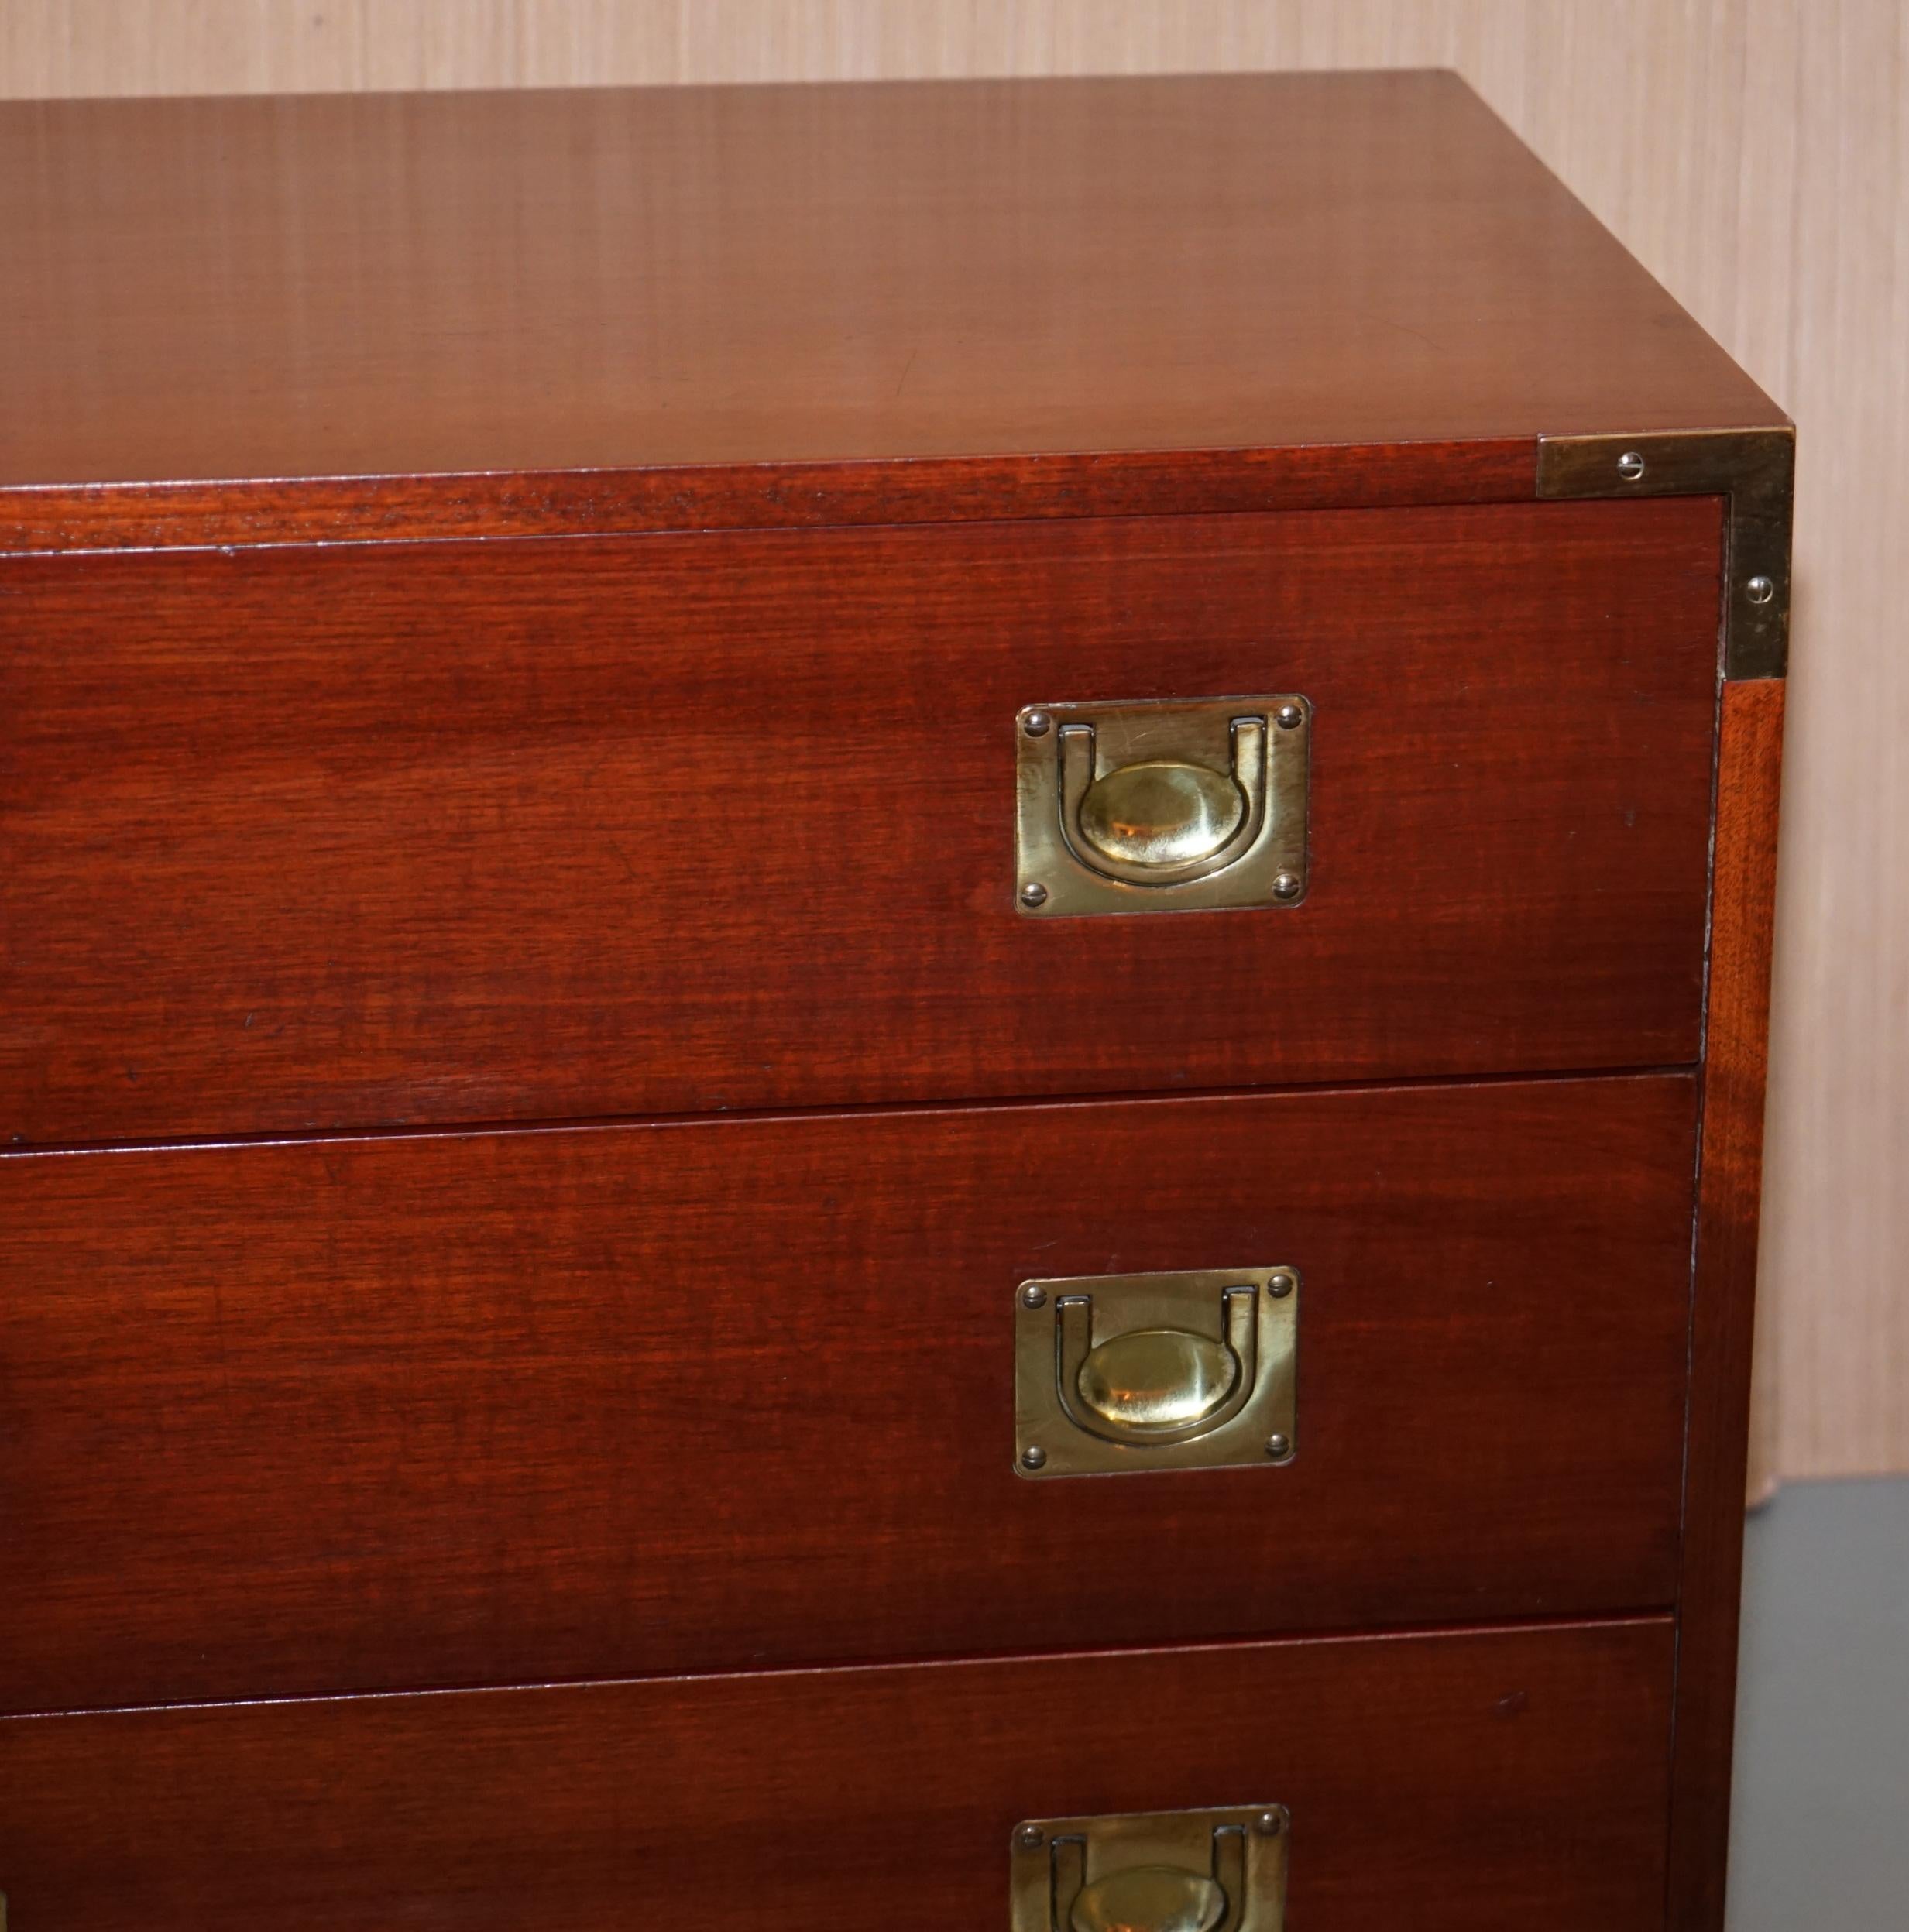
(340, 286)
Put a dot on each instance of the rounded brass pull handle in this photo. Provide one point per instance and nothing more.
(1150, 1898)
(1152, 1386)
(1162, 822)
(1155, 1896)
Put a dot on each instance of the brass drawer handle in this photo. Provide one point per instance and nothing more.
(1161, 807)
(1187, 1370)
(1156, 1385)
(1161, 821)
(1152, 1872)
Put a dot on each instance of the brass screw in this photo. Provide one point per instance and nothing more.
(1287, 716)
(1630, 466)
(1037, 724)
(1030, 1838)
(1279, 1447)
(1279, 1286)
(1035, 894)
(1269, 1825)
(1033, 1296)
(1760, 590)
(1033, 1457)
(1286, 886)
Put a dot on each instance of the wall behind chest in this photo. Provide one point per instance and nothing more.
(1752, 153)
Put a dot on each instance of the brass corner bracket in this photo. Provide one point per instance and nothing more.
(1753, 470)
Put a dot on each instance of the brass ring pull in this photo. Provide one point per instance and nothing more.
(1162, 822)
(1197, 1368)
(1153, 1386)
(1156, 805)
(1150, 1898)
(1213, 1870)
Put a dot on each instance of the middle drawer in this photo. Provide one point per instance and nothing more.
(290, 1417)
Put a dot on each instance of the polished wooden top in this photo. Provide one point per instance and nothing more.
(398, 285)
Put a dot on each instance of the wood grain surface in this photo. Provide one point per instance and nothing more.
(295, 838)
(771, 495)
(1750, 767)
(473, 1409)
(352, 286)
(1749, 152)
(1468, 1782)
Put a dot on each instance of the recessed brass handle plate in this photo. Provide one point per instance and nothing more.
(1196, 1369)
(1161, 808)
(1221, 1871)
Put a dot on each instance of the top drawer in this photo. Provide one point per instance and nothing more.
(340, 836)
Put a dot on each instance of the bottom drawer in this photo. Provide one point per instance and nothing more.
(1457, 1782)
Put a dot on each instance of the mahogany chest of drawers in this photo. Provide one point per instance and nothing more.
(882, 1016)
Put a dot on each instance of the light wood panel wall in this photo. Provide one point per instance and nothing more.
(1752, 153)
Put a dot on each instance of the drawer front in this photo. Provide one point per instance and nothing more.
(1472, 1782)
(344, 836)
(450, 1409)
